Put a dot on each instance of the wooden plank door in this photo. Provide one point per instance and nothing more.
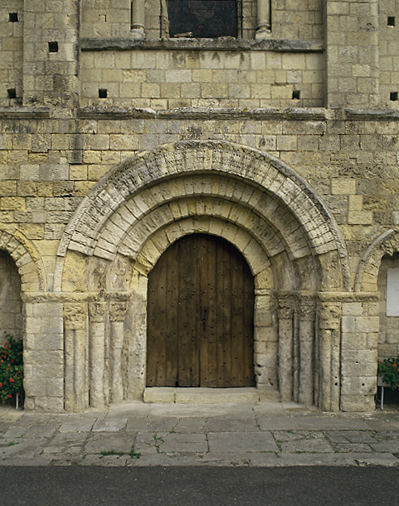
(200, 316)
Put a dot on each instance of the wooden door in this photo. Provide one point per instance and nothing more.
(200, 316)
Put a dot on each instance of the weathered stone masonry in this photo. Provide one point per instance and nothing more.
(116, 140)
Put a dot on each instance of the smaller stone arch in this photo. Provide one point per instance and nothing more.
(367, 273)
(27, 260)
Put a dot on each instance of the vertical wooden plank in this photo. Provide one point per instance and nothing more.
(237, 356)
(248, 302)
(171, 312)
(188, 312)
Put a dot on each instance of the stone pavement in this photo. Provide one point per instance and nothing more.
(136, 434)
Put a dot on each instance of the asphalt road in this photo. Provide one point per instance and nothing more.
(205, 486)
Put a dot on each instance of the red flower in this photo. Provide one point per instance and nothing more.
(10, 396)
(11, 380)
(395, 365)
(1, 384)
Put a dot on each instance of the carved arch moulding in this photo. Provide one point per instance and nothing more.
(252, 179)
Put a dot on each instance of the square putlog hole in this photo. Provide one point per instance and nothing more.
(13, 17)
(102, 93)
(53, 47)
(12, 93)
(391, 21)
(393, 96)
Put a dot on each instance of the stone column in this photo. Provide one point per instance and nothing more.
(306, 351)
(329, 355)
(285, 342)
(263, 30)
(138, 17)
(76, 380)
(117, 314)
(97, 313)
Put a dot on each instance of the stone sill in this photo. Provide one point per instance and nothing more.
(371, 114)
(24, 112)
(222, 44)
(205, 113)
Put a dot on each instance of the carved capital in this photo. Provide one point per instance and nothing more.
(329, 315)
(97, 311)
(117, 311)
(75, 316)
(307, 309)
(285, 308)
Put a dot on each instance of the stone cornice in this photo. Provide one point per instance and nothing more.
(206, 113)
(188, 44)
(24, 112)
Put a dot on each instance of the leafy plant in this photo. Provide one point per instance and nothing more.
(388, 370)
(11, 368)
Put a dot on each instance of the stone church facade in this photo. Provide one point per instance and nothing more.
(127, 126)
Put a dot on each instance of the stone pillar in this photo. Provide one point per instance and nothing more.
(117, 314)
(97, 313)
(263, 30)
(76, 380)
(329, 355)
(306, 351)
(285, 345)
(138, 17)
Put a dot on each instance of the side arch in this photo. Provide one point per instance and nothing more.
(367, 273)
(27, 260)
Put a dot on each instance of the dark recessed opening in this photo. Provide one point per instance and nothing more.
(13, 17)
(53, 47)
(12, 93)
(102, 93)
(393, 96)
(391, 21)
(296, 94)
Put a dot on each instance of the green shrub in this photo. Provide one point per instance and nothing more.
(388, 370)
(11, 368)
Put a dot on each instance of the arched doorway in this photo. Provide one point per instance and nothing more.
(200, 316)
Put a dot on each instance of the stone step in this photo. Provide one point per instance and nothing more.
(187, 395)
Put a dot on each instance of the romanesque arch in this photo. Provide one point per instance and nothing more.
(288, 237)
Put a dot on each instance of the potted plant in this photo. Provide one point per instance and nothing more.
(11, 369)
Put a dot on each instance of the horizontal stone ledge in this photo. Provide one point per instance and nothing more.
(192, 44)
(328, 296)
(24, 112)
(37, 297)
(361, 114)
(206, 113)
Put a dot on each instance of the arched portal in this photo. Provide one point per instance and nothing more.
(200, 316)
(141, 208)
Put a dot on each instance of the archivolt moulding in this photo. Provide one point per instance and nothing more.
(226, 160)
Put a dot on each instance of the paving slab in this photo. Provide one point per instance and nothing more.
(109, 425)
(241, 442)
(184, 443)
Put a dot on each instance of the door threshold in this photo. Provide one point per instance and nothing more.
(189, 395)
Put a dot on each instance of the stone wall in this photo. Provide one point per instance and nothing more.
(283, 142)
